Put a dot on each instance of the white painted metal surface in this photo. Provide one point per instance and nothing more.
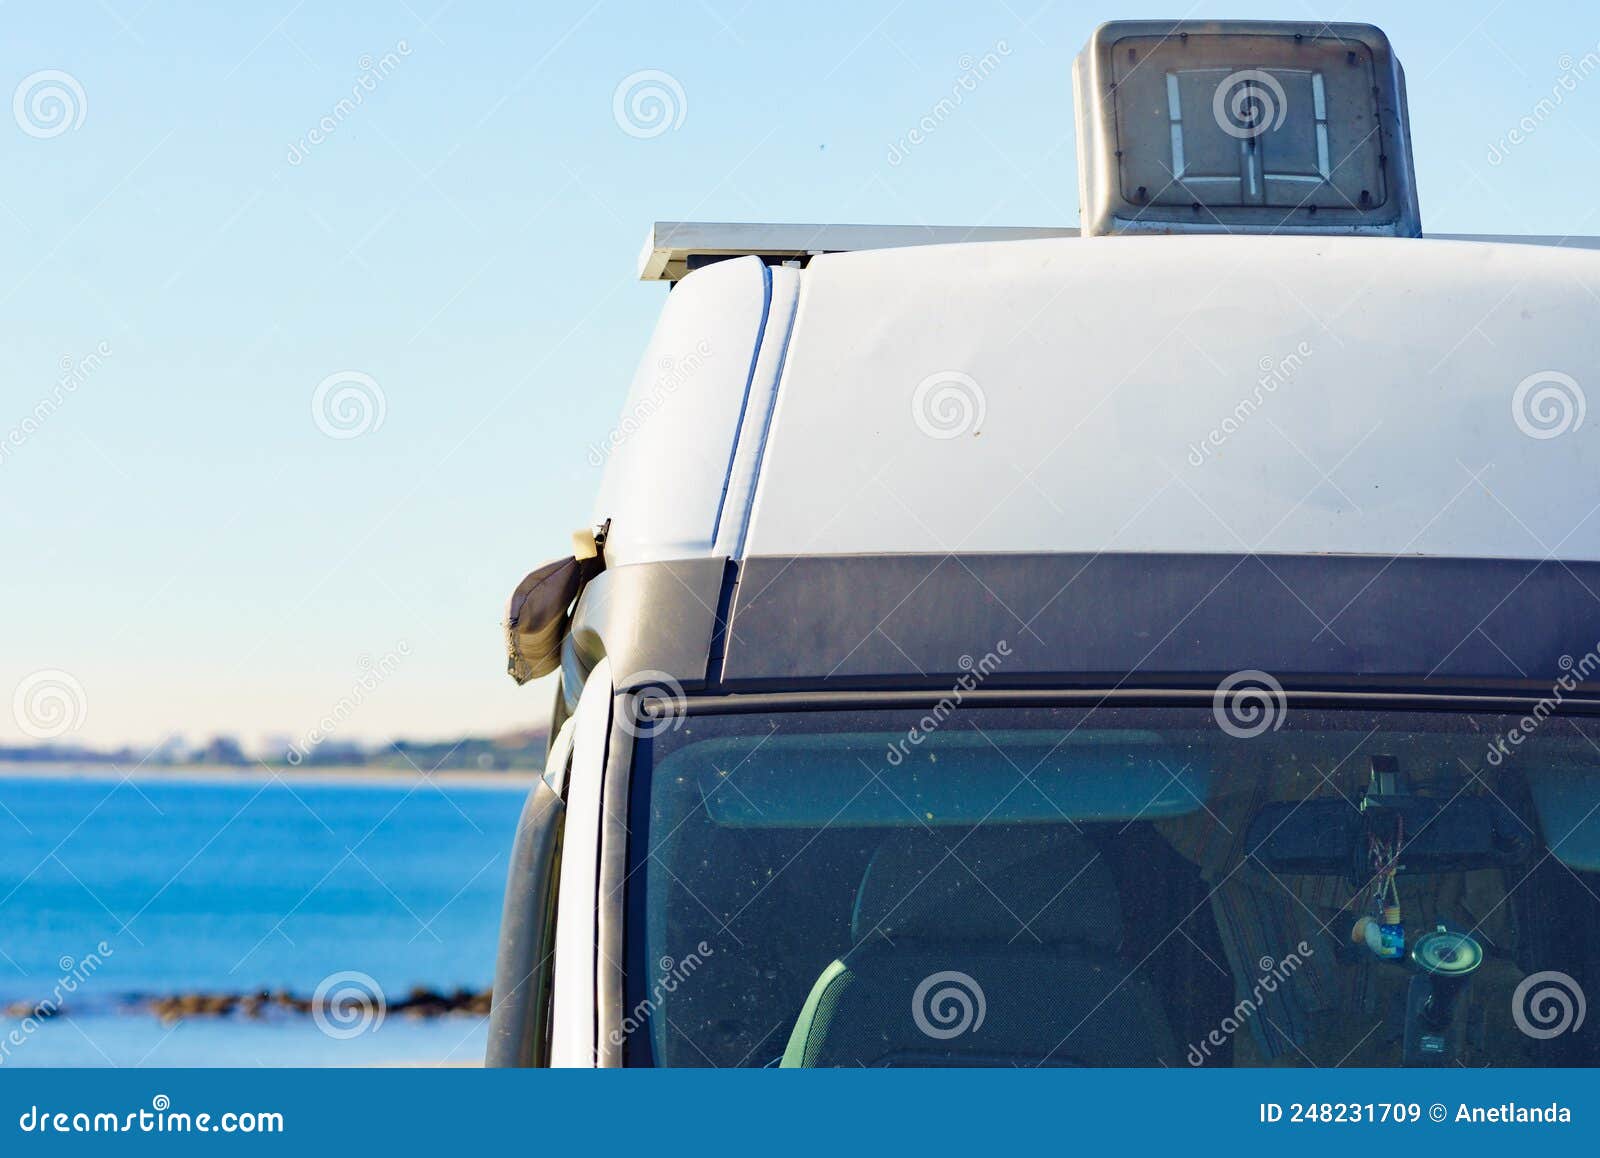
(1190, 394)
(572, 1016)
(667, 458)
(1125, 394)
(758, 408)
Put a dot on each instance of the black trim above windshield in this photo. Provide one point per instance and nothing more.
(1370, 622)
(1335, 623)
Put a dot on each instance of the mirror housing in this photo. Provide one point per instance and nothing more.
(540, 609)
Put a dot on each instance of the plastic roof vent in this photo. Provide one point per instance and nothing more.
(1243, 127)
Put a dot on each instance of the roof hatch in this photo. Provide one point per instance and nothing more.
(1236, 126)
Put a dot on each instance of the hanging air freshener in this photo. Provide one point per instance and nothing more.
(1384, 932)
(1385, 935)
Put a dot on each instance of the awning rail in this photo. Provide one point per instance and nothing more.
(674, 248)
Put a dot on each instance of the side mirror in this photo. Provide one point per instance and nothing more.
(539, 609)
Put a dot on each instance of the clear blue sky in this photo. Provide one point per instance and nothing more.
(183, 539)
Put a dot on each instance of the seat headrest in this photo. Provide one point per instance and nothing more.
(925, 885)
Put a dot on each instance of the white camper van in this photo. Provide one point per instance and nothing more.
(1170, 642)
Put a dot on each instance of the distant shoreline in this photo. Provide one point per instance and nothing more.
(256, 774)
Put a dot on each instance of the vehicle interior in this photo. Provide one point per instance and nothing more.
(1121, 887)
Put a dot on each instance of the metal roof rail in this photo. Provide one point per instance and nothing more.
(675, 248)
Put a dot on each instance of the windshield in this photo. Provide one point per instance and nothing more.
(1114, 887)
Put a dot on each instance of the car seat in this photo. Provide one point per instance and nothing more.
(997, 949)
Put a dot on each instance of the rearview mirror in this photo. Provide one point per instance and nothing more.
(1329, 837)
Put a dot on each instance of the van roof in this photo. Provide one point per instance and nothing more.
(1146, 394)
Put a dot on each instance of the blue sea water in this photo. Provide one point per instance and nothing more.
(241, 884)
